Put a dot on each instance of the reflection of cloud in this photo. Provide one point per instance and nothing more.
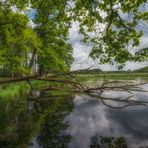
(130, 123)
(84, 122)
(90, 118)
(142, 96)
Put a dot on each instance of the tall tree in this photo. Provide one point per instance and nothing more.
(52, 26)
(17, 41)
(111, 26)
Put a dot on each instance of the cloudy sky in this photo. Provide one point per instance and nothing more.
(81, 52)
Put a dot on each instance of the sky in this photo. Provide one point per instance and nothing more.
(82, 50)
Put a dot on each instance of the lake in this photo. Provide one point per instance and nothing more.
(76, 121)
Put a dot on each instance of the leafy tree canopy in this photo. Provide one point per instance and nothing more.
(112, 26)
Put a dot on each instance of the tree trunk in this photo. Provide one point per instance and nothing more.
(32, 59)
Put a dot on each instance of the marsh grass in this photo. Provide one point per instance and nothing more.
(111, 76)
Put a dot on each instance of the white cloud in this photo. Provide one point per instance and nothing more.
(81, 53)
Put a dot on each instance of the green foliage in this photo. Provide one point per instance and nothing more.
(109, 142)
(17, 41)
(53, 26)
(141, 55)
(144, 69)
(22, 48)
(111, 25)
(22, 118)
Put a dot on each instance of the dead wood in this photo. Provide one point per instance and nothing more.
(91, 91)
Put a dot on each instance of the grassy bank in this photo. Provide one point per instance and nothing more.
(9, 91)
(111, 76)
(13, 90)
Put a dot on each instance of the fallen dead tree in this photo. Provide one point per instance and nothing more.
(30, 78)
(95, 91)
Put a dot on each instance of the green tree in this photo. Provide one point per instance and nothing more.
(17, 42)
(111, 26)
(53, 25)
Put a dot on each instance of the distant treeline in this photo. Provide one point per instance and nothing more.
(144, 69)
(96, 71)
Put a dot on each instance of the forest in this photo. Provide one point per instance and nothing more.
(34, 35)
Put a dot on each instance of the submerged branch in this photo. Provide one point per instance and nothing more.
(96, 92)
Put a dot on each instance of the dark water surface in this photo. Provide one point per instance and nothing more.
(76, 121)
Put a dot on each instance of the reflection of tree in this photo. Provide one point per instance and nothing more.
(107, 142)
(20, 125)
(52, 134)
(115, 86)
(25, 119)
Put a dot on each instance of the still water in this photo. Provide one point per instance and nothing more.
(77, 121)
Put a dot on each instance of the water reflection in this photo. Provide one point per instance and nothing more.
(107, 142)
(26, 117)
(52, 132)
(91, 120)
(78, 121)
